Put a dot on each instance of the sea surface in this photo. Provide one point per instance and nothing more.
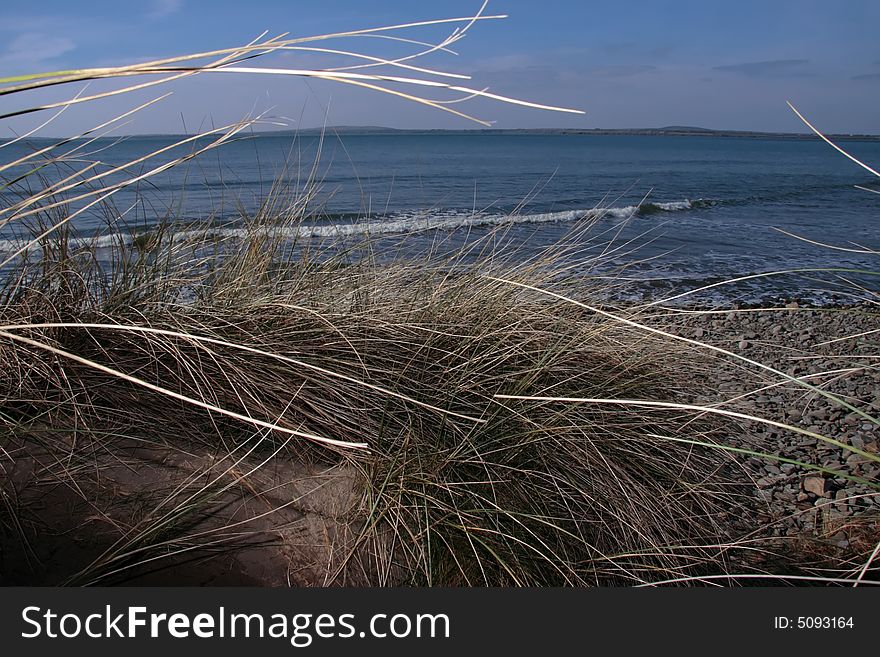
(670, 214)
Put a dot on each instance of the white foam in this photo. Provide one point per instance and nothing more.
(400, 223)
(675, 206)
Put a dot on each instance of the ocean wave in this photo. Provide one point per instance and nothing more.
(672, 206)
(397, 223)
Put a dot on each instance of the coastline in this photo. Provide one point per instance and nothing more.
(669, 131)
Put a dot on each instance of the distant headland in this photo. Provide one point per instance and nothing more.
(667, 131)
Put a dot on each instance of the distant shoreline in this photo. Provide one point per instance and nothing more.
(668, 131)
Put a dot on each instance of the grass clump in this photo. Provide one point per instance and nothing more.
(294, 362)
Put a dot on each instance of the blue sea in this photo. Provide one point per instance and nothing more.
(669, 213)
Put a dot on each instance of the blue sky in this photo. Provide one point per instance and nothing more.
(627, 63)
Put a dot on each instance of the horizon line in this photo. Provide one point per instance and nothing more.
(668, 130)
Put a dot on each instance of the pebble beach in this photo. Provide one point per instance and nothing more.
(809, 487)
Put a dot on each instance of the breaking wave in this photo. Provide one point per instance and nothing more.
(406, 222)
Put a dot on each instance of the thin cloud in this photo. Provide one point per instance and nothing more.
(34, 48)
(867, 76)
(771, 68)
(163, 8)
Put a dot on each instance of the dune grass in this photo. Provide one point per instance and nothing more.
(419, 361)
